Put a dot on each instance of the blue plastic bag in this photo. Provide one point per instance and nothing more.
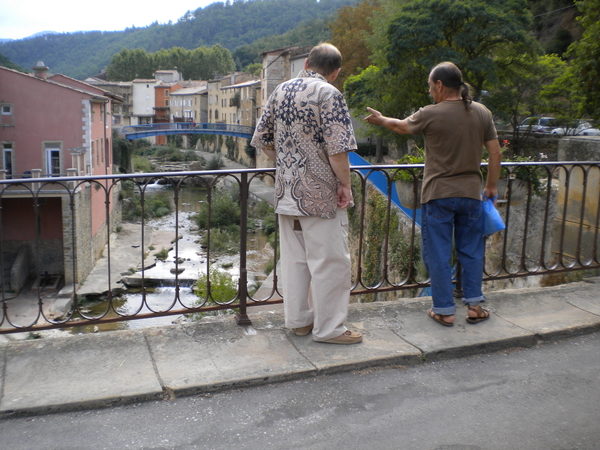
(492, 221)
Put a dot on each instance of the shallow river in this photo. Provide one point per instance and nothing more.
(192, 258)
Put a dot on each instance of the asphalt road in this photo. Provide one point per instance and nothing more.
(541, 398)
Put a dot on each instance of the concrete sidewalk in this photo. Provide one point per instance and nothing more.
(112, 368)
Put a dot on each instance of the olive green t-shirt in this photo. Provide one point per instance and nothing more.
(454, 138)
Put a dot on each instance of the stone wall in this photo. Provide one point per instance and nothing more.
(77, 231)
(521, 242)
(534, 146)
(579, 148)
(523, 235)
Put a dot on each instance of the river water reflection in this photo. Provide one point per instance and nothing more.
(191, 258)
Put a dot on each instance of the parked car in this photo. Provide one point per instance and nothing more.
(536, 124)
(579, 128)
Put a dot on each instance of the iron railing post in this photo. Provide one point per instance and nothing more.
(242, 315)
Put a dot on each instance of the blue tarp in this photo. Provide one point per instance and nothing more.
(380, 181)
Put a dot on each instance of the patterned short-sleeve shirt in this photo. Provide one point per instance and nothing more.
(305, 121)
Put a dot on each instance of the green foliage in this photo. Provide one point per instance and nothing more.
(586, 57)
(411, 37)
(398, 245)
(215, 163)
(224, 211)
(5, 62)
(417, 157)
(128, 65)
(521, 81)
(531, 174)
(175, 140)
(140, 145)
(162, 255)
(122, 152)
(269, 267)
(563, 98)
(230, 144)
(266, 213)
(218, 286)
(469, 33)
(253, 68)
(155, 205)
(349, 32)
(142, 164)
(223, 240)
(308, 33)
(560, 42)
(173, 154)
(250, 151)
(198, 64)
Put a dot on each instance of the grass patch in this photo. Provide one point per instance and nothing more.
(162, 255)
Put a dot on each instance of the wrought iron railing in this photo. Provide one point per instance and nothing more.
(550, 209)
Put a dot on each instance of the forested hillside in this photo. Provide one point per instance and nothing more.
(5, 62)
(231, 24)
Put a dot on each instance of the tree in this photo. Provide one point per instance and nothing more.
(220, 61)
(128, 65)
(410, 37)
(586, 56)
(122, 152)
(175, 58)
(563, 98)
(349, 32)
(520, 83)
(467, 32)
(255, 69)
(369, 89)
(201, 63)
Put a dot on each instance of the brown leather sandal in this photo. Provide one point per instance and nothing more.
(440, 319)
(482, 314)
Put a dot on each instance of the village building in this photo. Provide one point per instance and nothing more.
(54, 126)
(278, 66)
(187, 104)
(121, 112)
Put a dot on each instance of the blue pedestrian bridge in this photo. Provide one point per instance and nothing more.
(158, 129)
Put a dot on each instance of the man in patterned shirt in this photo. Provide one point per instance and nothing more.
(305, 127)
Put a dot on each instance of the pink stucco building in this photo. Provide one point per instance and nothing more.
(54, 126)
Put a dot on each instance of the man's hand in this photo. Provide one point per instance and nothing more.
(396, 125)
(374, 117)
(341, 167)
(344, 197)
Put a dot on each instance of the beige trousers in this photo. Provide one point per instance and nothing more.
(315, 273)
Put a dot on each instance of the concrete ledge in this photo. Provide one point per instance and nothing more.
(210, 356)
(87, 371)
(552, 313)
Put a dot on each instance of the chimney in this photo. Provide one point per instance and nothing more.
(40, 70)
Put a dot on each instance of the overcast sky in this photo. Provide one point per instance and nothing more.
(22, 18)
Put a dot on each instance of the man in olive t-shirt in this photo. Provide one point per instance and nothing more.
(455, 131)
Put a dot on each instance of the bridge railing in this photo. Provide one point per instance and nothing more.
(155, 129)
(550, 209)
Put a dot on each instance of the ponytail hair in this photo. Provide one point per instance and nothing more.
(451, 77)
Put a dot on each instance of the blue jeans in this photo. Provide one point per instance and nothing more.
(462, 219)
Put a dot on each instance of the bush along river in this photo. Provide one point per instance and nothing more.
(187, 247)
